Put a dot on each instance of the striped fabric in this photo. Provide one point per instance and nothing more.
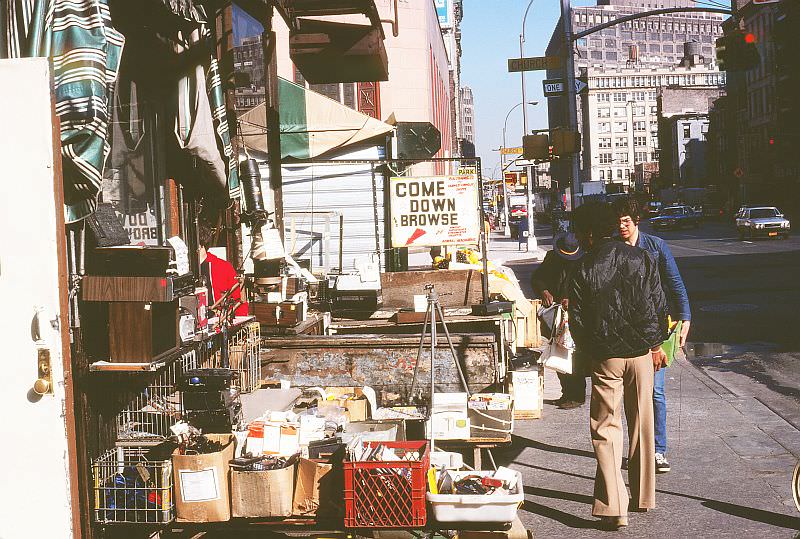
(219, 113)
(86, 52)
(16, 16)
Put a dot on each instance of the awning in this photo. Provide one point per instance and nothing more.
(311, 124)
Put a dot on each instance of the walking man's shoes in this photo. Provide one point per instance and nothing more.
(613, 523)
(662, 466)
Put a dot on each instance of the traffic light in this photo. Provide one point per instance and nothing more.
(565, 142)
(535, 147)
(737, 51)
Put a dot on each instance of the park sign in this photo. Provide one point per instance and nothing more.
(434, 210)
(534, 63)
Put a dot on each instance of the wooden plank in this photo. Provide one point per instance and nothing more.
(456, 288)
(107, 288)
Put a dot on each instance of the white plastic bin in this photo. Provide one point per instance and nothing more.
(476, 507)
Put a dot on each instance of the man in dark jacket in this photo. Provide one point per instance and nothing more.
(618, 317)
(549, 282)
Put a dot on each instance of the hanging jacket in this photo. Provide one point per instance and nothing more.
(223, 278)
(617, 306)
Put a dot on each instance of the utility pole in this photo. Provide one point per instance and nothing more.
(572, 109)
(531, 240)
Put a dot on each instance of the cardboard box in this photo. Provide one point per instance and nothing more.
(267, 493)
(201, 483)
(527, 388)
(316, 490)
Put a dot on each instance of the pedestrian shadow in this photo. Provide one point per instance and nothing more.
(749, 513)
(521, 442)
(564, 518)
(757, 515)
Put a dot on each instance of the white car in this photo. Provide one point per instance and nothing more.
(762, 221)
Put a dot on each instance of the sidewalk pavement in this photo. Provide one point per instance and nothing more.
(732, 458)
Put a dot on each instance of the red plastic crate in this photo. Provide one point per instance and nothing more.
(388, 494)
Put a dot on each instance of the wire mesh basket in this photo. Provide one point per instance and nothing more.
(129, 488)
(156, 407)
(242, 355)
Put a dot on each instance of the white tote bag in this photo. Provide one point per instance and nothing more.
(557, 354)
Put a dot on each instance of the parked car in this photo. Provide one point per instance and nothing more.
(653, 208)
(762, 221)
(676, 217)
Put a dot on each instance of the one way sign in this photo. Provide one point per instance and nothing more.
(557, 87)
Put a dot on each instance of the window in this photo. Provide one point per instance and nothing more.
(619, 173)
(582, 42)
(620, 112)
(611, 56)
(604, 142)
(651, 95)
(639, 96)
(603, 127)
(620, 97)
(602, 174)
(639, 126)
(611, 43)
(621, 142)
(596, 55)
(687, 131)
(621, 126)
(638, 111)
(621, 157)
(640, 141)
(603, 98)
(605, 158)
(640, 157)
(653, 109)
(604, 112)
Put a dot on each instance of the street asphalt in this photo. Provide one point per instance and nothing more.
(733, 403)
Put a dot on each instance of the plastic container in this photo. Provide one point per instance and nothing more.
(388, 494)
(476, 507)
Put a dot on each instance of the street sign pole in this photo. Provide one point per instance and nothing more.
(570, 95)
(531, 239)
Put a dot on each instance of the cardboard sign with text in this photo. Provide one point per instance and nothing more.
(435, 210)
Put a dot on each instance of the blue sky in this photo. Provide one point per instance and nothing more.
(489, 36)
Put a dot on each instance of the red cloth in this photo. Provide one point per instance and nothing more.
(223, 277)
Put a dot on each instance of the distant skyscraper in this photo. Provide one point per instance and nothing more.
(467, 115)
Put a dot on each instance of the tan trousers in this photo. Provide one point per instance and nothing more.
(613, 380)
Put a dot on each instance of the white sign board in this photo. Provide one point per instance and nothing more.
(435, 210)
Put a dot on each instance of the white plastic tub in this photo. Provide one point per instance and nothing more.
(476, 507)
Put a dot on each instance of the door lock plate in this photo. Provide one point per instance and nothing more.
(44, 384)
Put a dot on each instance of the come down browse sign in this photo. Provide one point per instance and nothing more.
(434, 210)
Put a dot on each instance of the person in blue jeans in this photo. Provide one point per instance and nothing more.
(629, 214)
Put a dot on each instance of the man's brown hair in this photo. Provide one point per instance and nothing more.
(627, 206)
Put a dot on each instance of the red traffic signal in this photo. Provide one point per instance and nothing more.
(750, 38)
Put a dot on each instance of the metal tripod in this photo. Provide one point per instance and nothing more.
(430, 317)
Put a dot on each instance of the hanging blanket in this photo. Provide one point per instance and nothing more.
(86, 52)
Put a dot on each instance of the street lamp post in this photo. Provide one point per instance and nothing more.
(531, 240)
(506, 227)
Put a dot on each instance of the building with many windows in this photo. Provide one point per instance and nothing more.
(638, 56)
(467, 115)
(683, 134)
(620, 121)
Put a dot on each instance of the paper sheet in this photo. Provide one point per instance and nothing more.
(199, 485)
(181, 254)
